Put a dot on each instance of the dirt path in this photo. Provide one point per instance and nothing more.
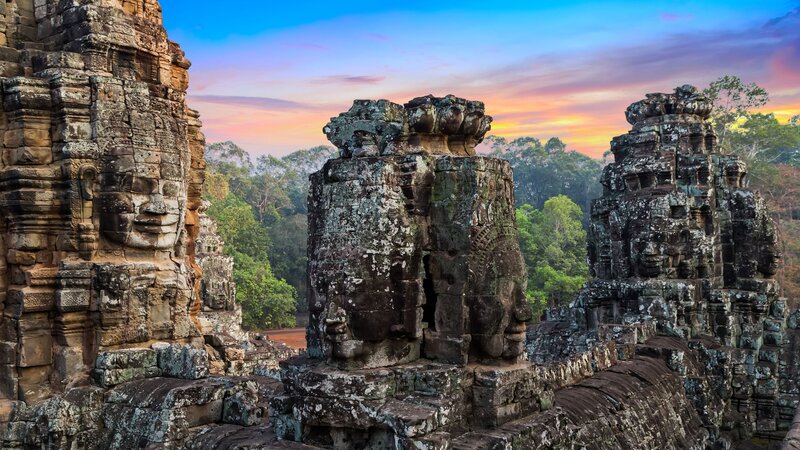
(293, 337)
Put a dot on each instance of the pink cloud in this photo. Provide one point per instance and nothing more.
(350, 79)
(264, 103)
(785, 63)
(308, 46)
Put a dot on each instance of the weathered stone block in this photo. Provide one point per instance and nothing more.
(182, 361)
(453, 350)
(9, 382)
(121, 366)
(33, 383)
(243, 409)
(35, 349)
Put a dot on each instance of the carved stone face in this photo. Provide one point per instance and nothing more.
(769, 260)
(648, 255)
(141, 212)
(498, 321)
(734, 175)
(370, 338)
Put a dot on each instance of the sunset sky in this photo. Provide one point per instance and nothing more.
(269, 75)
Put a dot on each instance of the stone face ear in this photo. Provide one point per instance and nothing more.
(87, 176)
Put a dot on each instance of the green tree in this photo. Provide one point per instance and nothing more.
(553, 243)
(289, 255)
(761, 139)
(267, 301)
(239, 228)
(733, 100)
(544, 171)
(276, 190)
(215, 186)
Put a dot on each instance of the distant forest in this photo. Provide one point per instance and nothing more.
(260, 205)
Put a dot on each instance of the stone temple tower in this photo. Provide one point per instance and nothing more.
(677, 240)
(101, 174)
(100, 181)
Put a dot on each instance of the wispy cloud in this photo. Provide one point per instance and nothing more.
(350, 79)
(307, 46)
(272, 104)
(377, 37)
(581, 96)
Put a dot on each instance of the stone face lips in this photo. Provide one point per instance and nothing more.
(429, 125)
(406, 229)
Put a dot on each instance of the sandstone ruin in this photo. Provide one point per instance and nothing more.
(100, 272)
(417, 296)
(119, 327)
(402, 230)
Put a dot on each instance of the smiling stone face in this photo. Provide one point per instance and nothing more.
(143, 166)
(649, 257)
(140, 212)
(499, 316)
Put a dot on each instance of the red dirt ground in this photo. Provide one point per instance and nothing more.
(293, 337)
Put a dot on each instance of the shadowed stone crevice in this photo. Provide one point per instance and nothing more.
(429, 307)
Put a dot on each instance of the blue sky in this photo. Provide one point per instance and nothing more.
(268, 76)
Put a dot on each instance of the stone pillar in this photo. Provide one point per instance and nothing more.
(410, 235)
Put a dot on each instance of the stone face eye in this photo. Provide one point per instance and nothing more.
(117, 182)
(144, 186)
(170, 189)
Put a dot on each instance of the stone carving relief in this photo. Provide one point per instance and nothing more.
(413, 247)
(679, 241)
(100, 182)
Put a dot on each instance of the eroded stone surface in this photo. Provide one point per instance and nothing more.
(678, 241)
(119, 328)
(102, 167)
(404, 236)
(404, 230)
(680, 340)
(425, 125)
(101, 284)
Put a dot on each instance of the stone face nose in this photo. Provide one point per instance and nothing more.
(156, 205)
(522, 311)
